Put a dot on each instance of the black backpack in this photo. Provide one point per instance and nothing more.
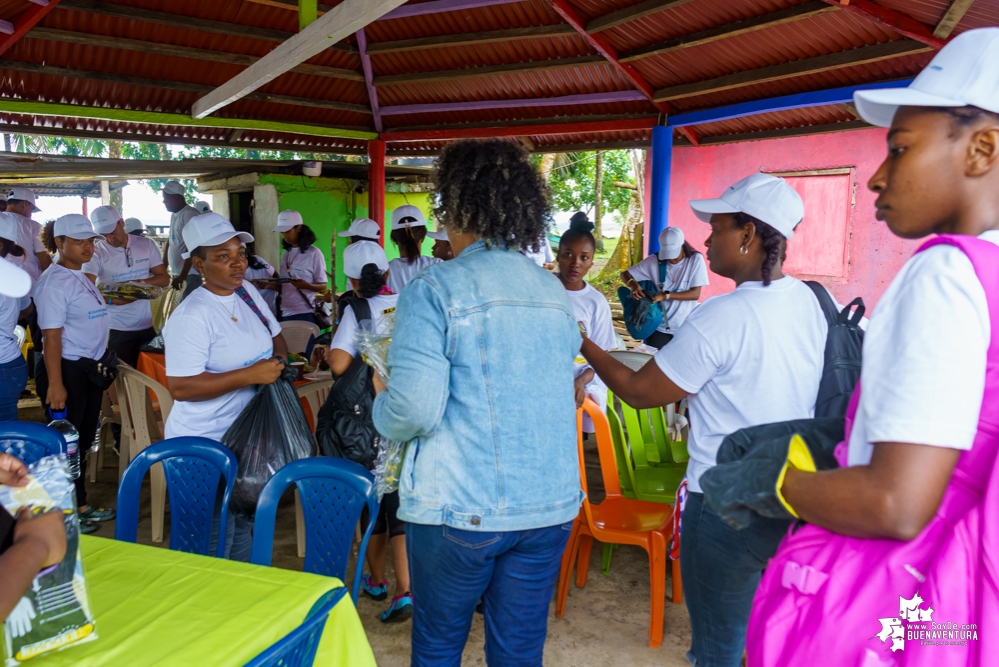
(844, 345)
(344, 428)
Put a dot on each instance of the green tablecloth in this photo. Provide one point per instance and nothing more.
(154, 606)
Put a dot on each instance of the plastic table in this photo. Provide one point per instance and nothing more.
(156, 607)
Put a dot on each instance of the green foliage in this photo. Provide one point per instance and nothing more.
(572, 181)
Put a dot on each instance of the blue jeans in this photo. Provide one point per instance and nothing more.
(721, 568)
(13, 378)
(514, 575)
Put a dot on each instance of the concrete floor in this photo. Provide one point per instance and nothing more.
(605, 623)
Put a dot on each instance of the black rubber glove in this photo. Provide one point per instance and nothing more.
(752, 462)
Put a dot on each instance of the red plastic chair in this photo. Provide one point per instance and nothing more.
(618, 520)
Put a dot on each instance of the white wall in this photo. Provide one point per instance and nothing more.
(265, 212)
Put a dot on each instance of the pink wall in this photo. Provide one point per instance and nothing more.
(874, 254)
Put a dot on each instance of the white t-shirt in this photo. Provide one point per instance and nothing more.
(401, 271)
(544, 254)
(310, 266)
(178, 221)
(270, 295)
(111, 265)
(749, 357)
(201, 337)
(925, 349)
(593, 315)
(688, 273)
(28, 237)
(67, 300)
(10, 308)
(382, 307)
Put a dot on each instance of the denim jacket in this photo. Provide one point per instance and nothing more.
(481, 385)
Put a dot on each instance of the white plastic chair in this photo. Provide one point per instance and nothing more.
(297, 335)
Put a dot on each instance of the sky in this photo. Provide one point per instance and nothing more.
(138, 201)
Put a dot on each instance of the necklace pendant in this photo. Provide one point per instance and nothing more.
(235, 319)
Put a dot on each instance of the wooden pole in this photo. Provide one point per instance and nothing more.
(598, 227)
(376, 185)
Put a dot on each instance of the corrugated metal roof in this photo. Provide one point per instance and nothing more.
(828, 32)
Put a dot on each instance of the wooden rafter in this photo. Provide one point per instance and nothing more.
(489, 70)
(745, 26)
(785, 132)
(488, 37)
(633, 13)
(156, 48)
(534, 122)
(362, 46)
(849, 58)
(518, 130)
(951, 17)
(25, 22)
(901, 23)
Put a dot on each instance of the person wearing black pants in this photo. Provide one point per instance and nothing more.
(74, 320)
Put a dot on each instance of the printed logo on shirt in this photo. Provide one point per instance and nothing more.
(388, 311)
(97, 314)
(262, 355)
(914, 623)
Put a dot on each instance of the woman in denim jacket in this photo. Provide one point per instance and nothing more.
(482, 387)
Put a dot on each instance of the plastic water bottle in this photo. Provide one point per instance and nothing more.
(72, 438)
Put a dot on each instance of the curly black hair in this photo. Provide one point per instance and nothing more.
(774, 243)
(49, 237)
(371, 282)
(490, 189)
(580, 227)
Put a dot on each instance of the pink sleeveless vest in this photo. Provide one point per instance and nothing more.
(827, 599)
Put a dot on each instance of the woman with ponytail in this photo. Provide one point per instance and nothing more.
(753, 356)
(304, 263)
(409, 228)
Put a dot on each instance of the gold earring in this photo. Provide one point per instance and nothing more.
(743, 250)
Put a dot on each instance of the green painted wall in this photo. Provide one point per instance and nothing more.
(328, 205)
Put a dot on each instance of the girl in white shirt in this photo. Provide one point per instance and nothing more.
(304, 263)
(73, 317)
(13, 367)
(593, 314)
(409, 229)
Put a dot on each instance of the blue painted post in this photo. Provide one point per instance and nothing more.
(662, 160)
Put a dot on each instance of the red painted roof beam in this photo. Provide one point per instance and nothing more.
(574, 18)
(548, 129)
(25, 22)
(897, 21)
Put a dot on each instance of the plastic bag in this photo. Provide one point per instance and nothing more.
(55, 612)
(269, 433)
(132, 291)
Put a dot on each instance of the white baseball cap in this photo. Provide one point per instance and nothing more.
(209, 229)
(765, 197)
(400, 217)
(75, 226)
(365, 227)
(24, 194)
(14, 281)
(288, 219)
(203, 206)
(134, 225)
(439, 235)
(173, 188)
(105, 219)
(358, 255)
(963, 73)
(670, 243)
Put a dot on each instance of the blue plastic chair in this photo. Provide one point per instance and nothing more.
(192, 467)
(298, 647)
(29, 441)
(333, 493)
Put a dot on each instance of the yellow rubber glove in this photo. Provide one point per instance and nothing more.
(799, 458)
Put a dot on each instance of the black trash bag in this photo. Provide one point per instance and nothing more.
(269, 433)
(155, 345)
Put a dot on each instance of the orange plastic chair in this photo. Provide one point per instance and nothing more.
(618, 520)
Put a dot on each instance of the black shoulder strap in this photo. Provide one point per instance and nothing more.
(362, 311)
(825, 301)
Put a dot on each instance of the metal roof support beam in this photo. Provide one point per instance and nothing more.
(574, 18)
(25, 22)
(633, 13)
(565, 100)
(901, 23)
(369, 76)
(951, 18)
(376, 185)
(489, 70)
(347, 17)
(518, 130)
(662, 163)
(818, 98)
(849, 58)
(786, 132)
(487, 37)
(439, 6)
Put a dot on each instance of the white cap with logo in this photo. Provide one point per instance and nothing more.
(75, 226)
(365, 227)
(203, 207)
(670, 243)
(134, 225)
(173, 188)
(210, 229)
(24, 194)
(358, 255)
(963, 73)
(439, 235)
(407, 216)
(767, 198)
(105, 219)
(288, 219)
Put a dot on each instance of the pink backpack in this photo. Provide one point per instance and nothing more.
(827, 599)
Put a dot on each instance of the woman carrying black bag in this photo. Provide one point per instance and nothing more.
(73, 317)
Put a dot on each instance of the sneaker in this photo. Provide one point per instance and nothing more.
(377, 593)
(97, 514)
(87, 527)
(400, 610)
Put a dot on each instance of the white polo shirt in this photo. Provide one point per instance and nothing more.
(688, 273)
(29, 238)
(112, 265)
(67, 300)
(401, 271)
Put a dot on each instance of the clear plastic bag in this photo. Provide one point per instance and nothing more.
(55, 612)
(132, 291)
(269, 433)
